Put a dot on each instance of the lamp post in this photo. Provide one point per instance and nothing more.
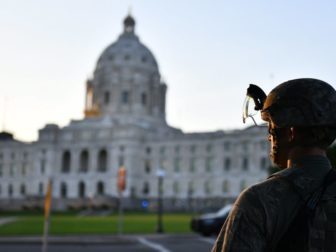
(160, 174)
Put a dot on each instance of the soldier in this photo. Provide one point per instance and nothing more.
(294, 209)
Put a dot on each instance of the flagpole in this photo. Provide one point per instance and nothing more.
(45, 235)
(47, 207)
(121, 185)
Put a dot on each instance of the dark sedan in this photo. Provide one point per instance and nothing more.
(211, 223)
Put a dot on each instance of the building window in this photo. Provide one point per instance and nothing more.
(147, 166)
(81, 189)
(208, 164)
(12, 155)
(24, 169)
(263, 163)
(227, 164)
(64, 190)
(263, 145)
(208, 148)
(102, 160)
(176, 187)
(227, 146)
(245, 164)
(207, 187)
(124, 97)
(191, 188)
(1, 170)
(163, 164)
(177, 164)
(40, 189)
(100, 188)
(106, 98)
(144, 99)
(226, 186)
(245, 146)
(11, 170)
(84, 161)
(111, 57)
(23, 190)
(10, 190)
(144, 59)
(42, 166)
(145, 189)
(148, 150)
(127, 57)
(177, 149)
(66, 162)
(162, 150)
(243, 185)
(121, 161)
(192, 148)
(192, 166)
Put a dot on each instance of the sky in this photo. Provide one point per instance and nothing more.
(208, 52)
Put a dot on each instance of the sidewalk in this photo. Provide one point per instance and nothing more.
(87, 239)
(82, 239)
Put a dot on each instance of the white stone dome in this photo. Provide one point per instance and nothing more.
(126, 83)
(126, 53)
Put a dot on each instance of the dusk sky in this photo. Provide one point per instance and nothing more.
(208, 52)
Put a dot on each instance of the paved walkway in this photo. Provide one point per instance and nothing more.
(6, 220)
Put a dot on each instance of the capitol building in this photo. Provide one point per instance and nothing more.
(124, 125)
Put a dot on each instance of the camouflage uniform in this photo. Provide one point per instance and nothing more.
(263, 213)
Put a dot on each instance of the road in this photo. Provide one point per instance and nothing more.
(136, 243)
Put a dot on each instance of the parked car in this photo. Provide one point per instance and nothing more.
(210, 223)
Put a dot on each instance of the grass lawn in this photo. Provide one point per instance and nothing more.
(144, 223)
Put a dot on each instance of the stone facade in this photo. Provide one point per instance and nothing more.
(125, 125)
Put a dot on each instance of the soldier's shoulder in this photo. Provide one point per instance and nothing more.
(270, 191)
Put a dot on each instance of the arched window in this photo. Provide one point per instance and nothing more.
(64, 190)
(81, 189)
(84, 161)
(100, 188)
(10, 190)
(66, 162)
(102, 161)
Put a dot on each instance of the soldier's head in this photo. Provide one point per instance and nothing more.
(300, 113)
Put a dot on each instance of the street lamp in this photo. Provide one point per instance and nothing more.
(160, 174)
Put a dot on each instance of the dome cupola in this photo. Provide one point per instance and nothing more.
(126, 82)
(129, 24)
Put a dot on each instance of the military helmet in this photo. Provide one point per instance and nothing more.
(301, 102)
